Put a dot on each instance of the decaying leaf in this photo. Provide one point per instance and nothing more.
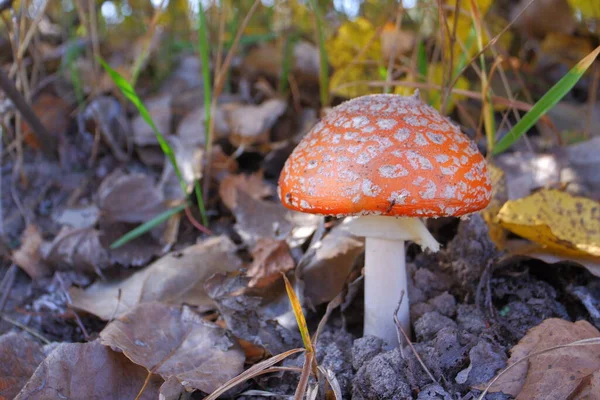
(80, 249)
(139, 251)
(175, 342)
(53, 113)
(270, 258)
(542, 17)
(253, 184)
(85, 216)
(328, 267)
(395, 42)
(562, 223)
(249, 123)
(259, 219)
(20, 355)
(192, 129)
(88, 371)
(159, 108)
(28, 256)
(176, 278)
(132, 198)
(252, 317)
(109, 118)
(554, 374)
(189, 161)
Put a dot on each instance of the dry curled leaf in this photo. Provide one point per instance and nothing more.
(79, 249)
(176, 278)
(28, 256)
(253, 184)
(562, 223)
(159, 108)
(175, 342)
(20, 356)
(88, 371)
(271, 257)
(249, 124)
(554, 374)
(129, 198)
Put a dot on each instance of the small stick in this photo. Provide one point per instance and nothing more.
(48, 143)
(401, 330)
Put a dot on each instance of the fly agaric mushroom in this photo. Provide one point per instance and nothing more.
(388, 160)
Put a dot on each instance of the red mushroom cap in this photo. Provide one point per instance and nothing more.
(385, 155)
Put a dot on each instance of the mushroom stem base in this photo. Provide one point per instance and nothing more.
(385, 279)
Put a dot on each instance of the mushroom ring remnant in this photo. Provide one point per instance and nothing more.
(386, 155)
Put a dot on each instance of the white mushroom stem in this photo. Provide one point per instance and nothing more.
(385, 271)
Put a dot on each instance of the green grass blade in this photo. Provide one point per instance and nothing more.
(288, 61)
(549, 100)
(422, 61)
(147, 226)
(323, 63)
(129, 92)
(203, 49)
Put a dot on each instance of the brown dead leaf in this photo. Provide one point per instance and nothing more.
(175, 342)
(328, 266)
(139, 251)
(20, 356)
(555, 374)
(176, 278)
(131, 198)
(253, 185)
(106, 114)
(79, 249)
(394, 42)
(159, 108)
(85, 216)
(88, 371)
(173, 390)
(542, 17)
(191, 129)
(53, 113)
(259, 219)
(270, 258)
(28, 256)
(250, 124)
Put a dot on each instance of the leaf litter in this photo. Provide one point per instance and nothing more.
(224, 290)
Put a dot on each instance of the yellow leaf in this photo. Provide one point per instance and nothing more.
(300, 320)
(587, 8)
(560, 222)
(499, 197)
(343, 50)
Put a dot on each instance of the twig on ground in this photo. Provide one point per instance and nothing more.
(401, 330)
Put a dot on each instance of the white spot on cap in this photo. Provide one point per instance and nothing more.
(399, 196)
(418, 181)
(417, 161)
(436, 138)
(369, 189)
(449, 192)
(386, 123)
(402, 134)
(392, 171)
(360, 121)
(441, 158)
(451, 170)
(429, 192)
(420, 140)
(312, 164)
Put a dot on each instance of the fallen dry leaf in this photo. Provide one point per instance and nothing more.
(176, 278)
(326, 269)
(173, 390)
(53, 113)
(250, 316)
(270, 258)
(175, 342)
(131, 198)
(257, 219)
(88, 371)
(543, 16)
(555, 374)
(108, 116)
(250, 123)
(28, 256)
(192, 129)
(79, 249)
(159, 108)
(85, 216)
(20, 355)
(137, 252)
(395, 42)
(253, 184)
(564, 224)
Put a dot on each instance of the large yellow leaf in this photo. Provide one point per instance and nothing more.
(560, 222)
(587, 8)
